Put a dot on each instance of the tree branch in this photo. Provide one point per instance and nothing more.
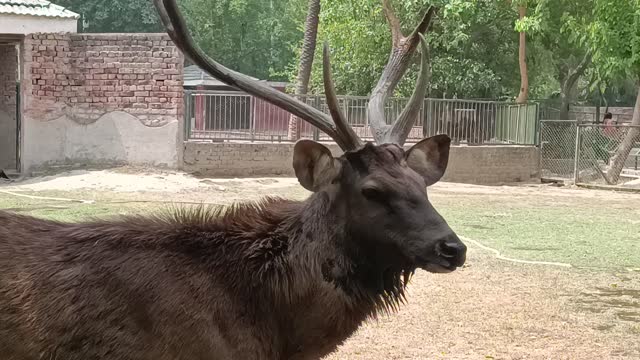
(394, 23)
(576, 72)
(423, 26)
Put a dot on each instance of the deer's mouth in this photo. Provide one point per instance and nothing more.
(448, 255)
(437, 266)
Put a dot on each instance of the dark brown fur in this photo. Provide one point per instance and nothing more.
(276, 279)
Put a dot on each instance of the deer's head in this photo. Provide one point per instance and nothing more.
(381, 193)
(379, 189)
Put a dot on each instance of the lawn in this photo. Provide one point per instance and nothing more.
(584, 231)
(491, 309)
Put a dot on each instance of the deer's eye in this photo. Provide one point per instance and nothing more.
(374, 194)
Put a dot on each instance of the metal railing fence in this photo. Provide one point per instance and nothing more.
(236, 116)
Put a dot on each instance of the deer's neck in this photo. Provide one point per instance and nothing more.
(324, 250)
(324, 245)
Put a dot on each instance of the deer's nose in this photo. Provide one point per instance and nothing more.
(453, 250)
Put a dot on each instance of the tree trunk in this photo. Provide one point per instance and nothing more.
(306, 63)
(565, 102)
(633, 135)
(522, 59)
(568, 85)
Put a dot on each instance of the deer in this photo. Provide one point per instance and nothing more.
(272, 279)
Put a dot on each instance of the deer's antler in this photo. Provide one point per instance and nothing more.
(344, 128)
(402, 127)
(401, 54)
(338, 129)
(402, 51)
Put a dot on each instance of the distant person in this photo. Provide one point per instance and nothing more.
(609, 124)
(608, 143)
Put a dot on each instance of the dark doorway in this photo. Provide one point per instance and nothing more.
(9, 105)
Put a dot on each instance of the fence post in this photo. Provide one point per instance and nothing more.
(576, 163)
(426, 106)
(540, 147)
(186, 115)
(537, 127)
(316, 104)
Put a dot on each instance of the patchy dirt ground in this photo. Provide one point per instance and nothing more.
(491, 309)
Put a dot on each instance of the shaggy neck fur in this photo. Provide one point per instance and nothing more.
(285, 249)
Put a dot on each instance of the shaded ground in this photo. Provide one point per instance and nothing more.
(491, 309)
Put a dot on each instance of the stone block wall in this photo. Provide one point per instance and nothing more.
(493, 165)
(77, 86)
(484, 165)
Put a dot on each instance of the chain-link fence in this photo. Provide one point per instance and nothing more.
(608, 155)
(557, 149)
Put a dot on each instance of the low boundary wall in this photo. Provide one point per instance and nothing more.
(482, 165)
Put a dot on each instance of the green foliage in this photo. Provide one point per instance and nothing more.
(474, 43)
(556, 45)
(473, 46)
(614, 37)
(257, 38)
(474, 51)
(116, 15)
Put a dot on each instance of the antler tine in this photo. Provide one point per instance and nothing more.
(402, 50)
(344, 129)
(178, 31)
(402, 126)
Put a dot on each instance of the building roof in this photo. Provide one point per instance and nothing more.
(195, 76)
(40, 8)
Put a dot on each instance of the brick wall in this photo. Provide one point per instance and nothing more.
(588, 113)
(101, 99)
(486, 165)
(85, 76)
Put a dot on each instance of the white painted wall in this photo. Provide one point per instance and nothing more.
(116, 137)
(22, 24)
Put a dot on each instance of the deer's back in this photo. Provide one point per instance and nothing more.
(103, 291)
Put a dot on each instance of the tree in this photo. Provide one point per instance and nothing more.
(115, 15)
(256, 37)
(614, 40)
(464, 40)
(557, 36)
(306, 62)
(523, 96)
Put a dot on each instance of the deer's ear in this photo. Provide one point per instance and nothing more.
(314, 165)
(430, 157)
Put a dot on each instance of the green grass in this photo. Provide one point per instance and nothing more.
(71, 211)
(581, 233)
(584, 236)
